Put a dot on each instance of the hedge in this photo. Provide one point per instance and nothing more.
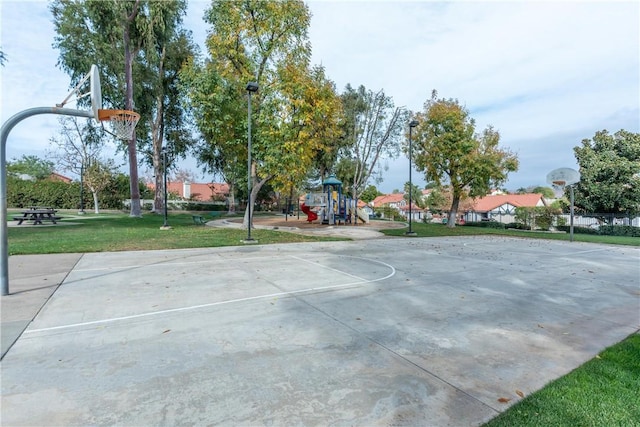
(605, 230)
(62, 195)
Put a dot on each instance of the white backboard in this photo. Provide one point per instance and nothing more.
(567, 175)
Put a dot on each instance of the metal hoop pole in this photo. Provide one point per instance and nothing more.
(4, 133)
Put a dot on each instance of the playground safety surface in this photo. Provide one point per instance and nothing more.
(393, 331)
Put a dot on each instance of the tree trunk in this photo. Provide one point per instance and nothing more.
(255, 189)
(158, 172)
(136, 210)
(232, 197)
(453, 212)
(96, 206)
(157, 138)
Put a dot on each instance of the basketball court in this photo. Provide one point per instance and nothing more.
(383, 331)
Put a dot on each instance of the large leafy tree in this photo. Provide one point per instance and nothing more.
(609, 173)
(141, 41)
(31, 166)
(294, 111)
(448, 149)
(373, 127)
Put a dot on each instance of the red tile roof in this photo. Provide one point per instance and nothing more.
(202, 192)
(488, 203)
(387, 199)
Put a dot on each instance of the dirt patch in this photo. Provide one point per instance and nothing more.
(302, 223)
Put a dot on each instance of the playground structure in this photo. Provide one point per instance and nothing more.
(331, 206)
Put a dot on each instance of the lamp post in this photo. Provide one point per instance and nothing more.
(251, 87)
(166, 225)
(412, 124)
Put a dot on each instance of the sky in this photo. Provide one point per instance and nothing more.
(545, 74)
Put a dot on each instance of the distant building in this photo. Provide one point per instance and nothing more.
(502, 207)
(200, 192)
(58, 177)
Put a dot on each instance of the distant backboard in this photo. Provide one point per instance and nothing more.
(96, 92)
(562, 177)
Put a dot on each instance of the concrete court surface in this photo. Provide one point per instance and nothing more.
(391, 331)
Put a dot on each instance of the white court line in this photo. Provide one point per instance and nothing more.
(213, 304)
(330, 268)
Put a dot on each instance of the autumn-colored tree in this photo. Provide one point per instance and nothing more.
(447, 148)
(293, 112)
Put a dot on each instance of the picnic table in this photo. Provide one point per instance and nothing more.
(37, 215)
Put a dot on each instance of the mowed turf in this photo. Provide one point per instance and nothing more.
(120, 232)
(603, 392)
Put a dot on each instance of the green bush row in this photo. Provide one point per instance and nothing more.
(605, 230)
(62, 195)
(486, 224)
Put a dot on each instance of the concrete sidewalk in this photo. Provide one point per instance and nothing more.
(375, 332)
(32, 281)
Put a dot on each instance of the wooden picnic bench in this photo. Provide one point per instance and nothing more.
(37, 216)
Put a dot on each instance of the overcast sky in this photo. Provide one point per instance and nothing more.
(544, 74)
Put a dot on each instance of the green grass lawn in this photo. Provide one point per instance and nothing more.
(603, 392)
(440, 230)
(120, 232)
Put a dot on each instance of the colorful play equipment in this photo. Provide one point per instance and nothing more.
(331, 206)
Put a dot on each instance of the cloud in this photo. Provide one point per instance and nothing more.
(544, 74)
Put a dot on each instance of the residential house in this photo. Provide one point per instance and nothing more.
(58, 177)
(416, 212)
(501, 207)
(200, 192)
(395, 201)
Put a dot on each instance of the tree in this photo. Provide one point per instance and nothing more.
(373, 128)
(609, 173)
(448, 148)
(184, 175)
(416, 194)
(293, 111)
(369, 193)
(142, 38)
(547, 192)
(79, 152)
(31, 166)
(3, 58)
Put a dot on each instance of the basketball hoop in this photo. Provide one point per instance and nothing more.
(559, 184)
(122, 122)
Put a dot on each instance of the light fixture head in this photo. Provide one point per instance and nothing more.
(413, 123)
(252, 87)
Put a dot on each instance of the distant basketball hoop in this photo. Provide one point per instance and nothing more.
(559, 179)
(122, 122)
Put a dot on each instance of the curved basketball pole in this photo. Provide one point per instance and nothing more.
(4, 133)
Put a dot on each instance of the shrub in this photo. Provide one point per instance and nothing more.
(486, 224)
(619, 230)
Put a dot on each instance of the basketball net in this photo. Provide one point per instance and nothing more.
(122, 122)
(558, 186)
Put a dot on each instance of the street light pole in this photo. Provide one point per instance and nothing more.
(251, 87)
(412, 124)
(166, 225)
